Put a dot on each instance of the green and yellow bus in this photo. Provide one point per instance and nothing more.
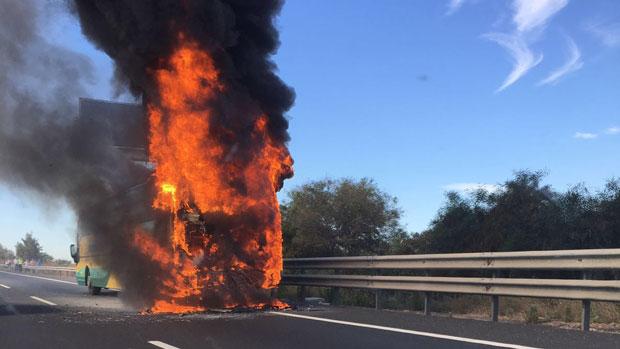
(88, 272)
(125, 124)
(134, 206)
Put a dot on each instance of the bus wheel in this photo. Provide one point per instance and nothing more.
(92, 290)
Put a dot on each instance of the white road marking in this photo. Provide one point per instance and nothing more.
(42, 278)
(162, 345)
(43, 300)
(400, 330)
(5, 286)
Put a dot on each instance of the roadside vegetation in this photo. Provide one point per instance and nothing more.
(349, 217)
(29, 251)
(6, 254)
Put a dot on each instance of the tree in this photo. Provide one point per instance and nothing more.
(346, 217)
(29, 248)
(458, 224)
(610, 212)
(45, 258)
(6, 254)
(524, 215)
(62, 262)
(339, 218)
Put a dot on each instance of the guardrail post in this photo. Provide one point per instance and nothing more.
(494, 308)
(427, 300)
(335, 295)
(273, 294)
(585, 315)
(378, 299)
(301, 293)
(301, 290)
(494, 304)
(586, 308)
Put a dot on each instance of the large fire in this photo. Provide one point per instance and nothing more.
(225, 248)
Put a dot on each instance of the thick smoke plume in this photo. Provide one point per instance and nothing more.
(44, 148)
(238, 37)
(140, 35)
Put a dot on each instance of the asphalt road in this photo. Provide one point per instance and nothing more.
(42, 313)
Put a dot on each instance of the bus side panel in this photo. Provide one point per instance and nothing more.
(80, 274)
(98, 276)
(113, 283)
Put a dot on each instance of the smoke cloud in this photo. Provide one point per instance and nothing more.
(240, 37)
(47, 150)
(44, 148)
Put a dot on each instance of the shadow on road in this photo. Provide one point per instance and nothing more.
(107, 293)
(26, 309)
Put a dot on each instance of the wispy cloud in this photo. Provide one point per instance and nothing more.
(453, 6)
(585, 135)
(614, 130)
(572, 64)
(533, 14)
(523, 58)
(470, 187)
(528, 16)
(607, 33)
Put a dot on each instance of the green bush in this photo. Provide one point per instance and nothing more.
(568, 314)
(531, 315)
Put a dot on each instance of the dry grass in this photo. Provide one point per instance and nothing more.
(559, 313)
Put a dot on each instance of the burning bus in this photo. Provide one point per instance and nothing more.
(214, 136)
(206, 248)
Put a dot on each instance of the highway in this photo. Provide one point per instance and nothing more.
(38, 312)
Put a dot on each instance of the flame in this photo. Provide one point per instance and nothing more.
(225, 246)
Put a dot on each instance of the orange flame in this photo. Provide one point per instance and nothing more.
(200, 172)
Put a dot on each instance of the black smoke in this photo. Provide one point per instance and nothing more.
(140, 35)
(45, 149)
(42, 147)
(241, 38)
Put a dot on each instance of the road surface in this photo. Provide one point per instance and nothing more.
(44, 313)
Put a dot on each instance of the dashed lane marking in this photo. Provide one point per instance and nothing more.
(5, 286)
(43, 301)
(162, 345)
(400, 330)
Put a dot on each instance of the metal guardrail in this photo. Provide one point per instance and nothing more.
(582, 289)
(64, 273)
(533, 260)
(607, 290)
(69, 269)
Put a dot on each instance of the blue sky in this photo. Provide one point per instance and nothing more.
(422, 96)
